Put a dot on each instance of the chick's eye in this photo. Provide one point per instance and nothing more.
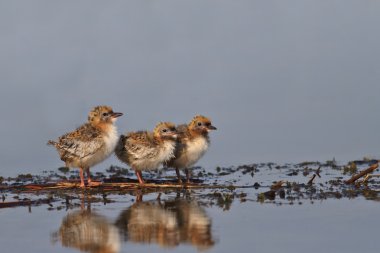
(164, 130)
(199, 123)
(105, 114)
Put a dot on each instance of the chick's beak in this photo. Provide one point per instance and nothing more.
(173, 133)
(211, 127)
(116, 114)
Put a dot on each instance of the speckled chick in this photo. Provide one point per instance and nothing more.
(90, 143)
(192, 143)
(145, 150)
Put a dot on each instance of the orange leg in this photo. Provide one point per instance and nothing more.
(139, 177)
(88, 176)
(81, 177)
(89, 181)
(178, 175)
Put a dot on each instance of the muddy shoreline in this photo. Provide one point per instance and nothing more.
(266, 183)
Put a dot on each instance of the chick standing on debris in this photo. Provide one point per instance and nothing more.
(147, 150)
(193, 142)
(91, 143)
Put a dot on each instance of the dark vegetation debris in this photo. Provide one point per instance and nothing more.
(267, 183)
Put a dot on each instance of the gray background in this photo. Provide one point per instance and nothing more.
(282, 80)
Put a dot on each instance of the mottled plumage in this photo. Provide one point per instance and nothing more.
(192, 143)
(77, 148)
(90, 143)
(144, 150)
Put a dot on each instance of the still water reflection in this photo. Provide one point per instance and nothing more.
(88, 231)
(168, 224)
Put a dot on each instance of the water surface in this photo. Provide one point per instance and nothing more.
(326, 216)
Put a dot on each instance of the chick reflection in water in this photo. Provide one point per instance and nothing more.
(88, 232)
(168, 224)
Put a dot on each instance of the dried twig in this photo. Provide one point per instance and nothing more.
(314, 175)
(114, 186)
(362, 173)
(318, 171)
(311, 179)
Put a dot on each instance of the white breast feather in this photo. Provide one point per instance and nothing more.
(110, 141)
(195, 149)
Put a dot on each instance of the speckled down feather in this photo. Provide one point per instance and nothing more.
(85, 141)
(142, 151)
(86, 146)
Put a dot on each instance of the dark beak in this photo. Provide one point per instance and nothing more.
(211, 127)
(116, 114)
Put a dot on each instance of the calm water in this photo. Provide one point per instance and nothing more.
(329, 226)
(312, 219)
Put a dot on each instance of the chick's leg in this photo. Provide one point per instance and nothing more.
(81, 177)
(88, 175)
(188, 175)
(178, 175)
(139, 177)
(89, 180)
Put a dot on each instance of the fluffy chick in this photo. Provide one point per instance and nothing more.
(145, 150)
(192, 143)
(90, 143)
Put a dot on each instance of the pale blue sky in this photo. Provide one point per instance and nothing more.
(283, 81)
